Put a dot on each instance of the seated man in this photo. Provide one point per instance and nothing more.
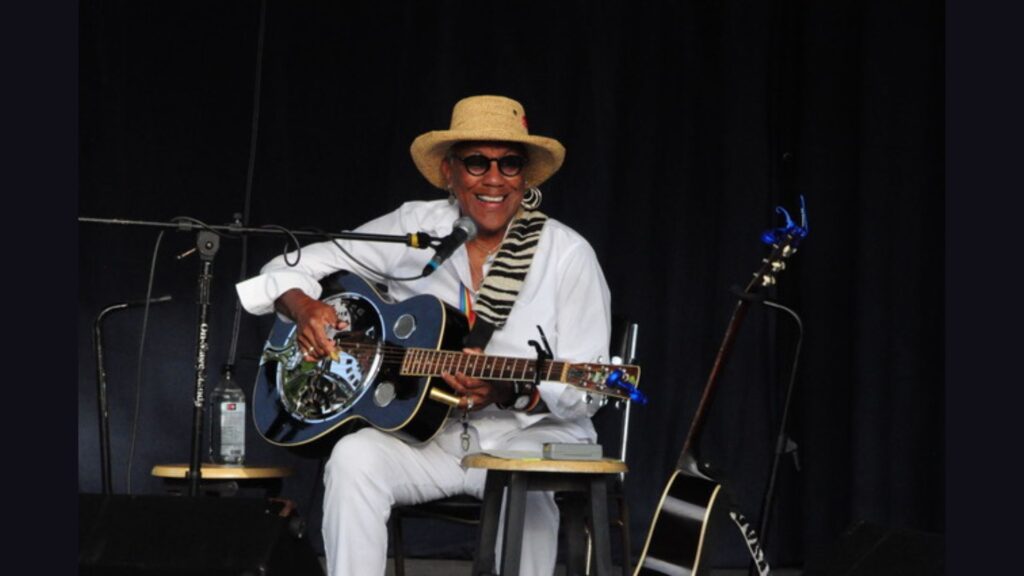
(545, 274)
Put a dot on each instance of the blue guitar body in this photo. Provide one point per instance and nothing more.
(306, 406)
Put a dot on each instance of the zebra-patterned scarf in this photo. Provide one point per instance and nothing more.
(501, 286)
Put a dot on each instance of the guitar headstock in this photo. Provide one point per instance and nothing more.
(613, 380)
(784, 241)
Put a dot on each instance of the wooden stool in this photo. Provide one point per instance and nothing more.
(588, 477)
(223, 479)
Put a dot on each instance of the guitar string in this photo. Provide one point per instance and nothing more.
(392, 355)
(396, 355)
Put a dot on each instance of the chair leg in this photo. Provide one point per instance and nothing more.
(515, 517)
(395, 527)
(494, 487)
(577, 538)
(598, 513)
(627, 553)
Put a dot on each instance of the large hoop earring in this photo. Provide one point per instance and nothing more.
(532, 198)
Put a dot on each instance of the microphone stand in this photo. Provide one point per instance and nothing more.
(101, 396)
(207, 244)
(101, 386)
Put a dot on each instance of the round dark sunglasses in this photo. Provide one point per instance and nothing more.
(478, 164)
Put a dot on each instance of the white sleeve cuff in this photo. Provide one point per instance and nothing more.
(258, 294)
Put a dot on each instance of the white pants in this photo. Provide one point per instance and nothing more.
(370, 471)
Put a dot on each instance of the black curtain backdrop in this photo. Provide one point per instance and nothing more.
(686, 124)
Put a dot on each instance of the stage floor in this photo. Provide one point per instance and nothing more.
(428, 567)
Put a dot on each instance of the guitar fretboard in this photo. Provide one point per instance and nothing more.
(426, 362)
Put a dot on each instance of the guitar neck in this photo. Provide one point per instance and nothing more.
(687, 458)
(426, 362)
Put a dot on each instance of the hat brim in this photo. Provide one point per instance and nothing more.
(428, 150)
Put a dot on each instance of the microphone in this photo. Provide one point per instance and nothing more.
(463, 230)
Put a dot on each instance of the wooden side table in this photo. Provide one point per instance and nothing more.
(223, 479)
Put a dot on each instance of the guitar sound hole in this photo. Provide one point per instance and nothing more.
(404, 326)
(319, 391)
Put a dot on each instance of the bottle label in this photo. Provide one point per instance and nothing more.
(232, 428)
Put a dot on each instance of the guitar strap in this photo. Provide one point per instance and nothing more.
(504, 280)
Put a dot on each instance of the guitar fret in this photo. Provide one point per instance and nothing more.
(564, 372)
(409, 365)
(432, 366)
(405, 362)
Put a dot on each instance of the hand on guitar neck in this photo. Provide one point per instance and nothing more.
(477, 393)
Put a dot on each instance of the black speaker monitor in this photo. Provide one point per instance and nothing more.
(867, 549)
(165, 535)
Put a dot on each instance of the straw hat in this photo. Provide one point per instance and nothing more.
(487, 118)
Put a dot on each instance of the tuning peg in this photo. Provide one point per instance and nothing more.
(768, 280)
(778, 266)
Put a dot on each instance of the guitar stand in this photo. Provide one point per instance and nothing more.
(782, 440)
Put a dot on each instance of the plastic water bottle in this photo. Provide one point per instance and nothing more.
(227, 421)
